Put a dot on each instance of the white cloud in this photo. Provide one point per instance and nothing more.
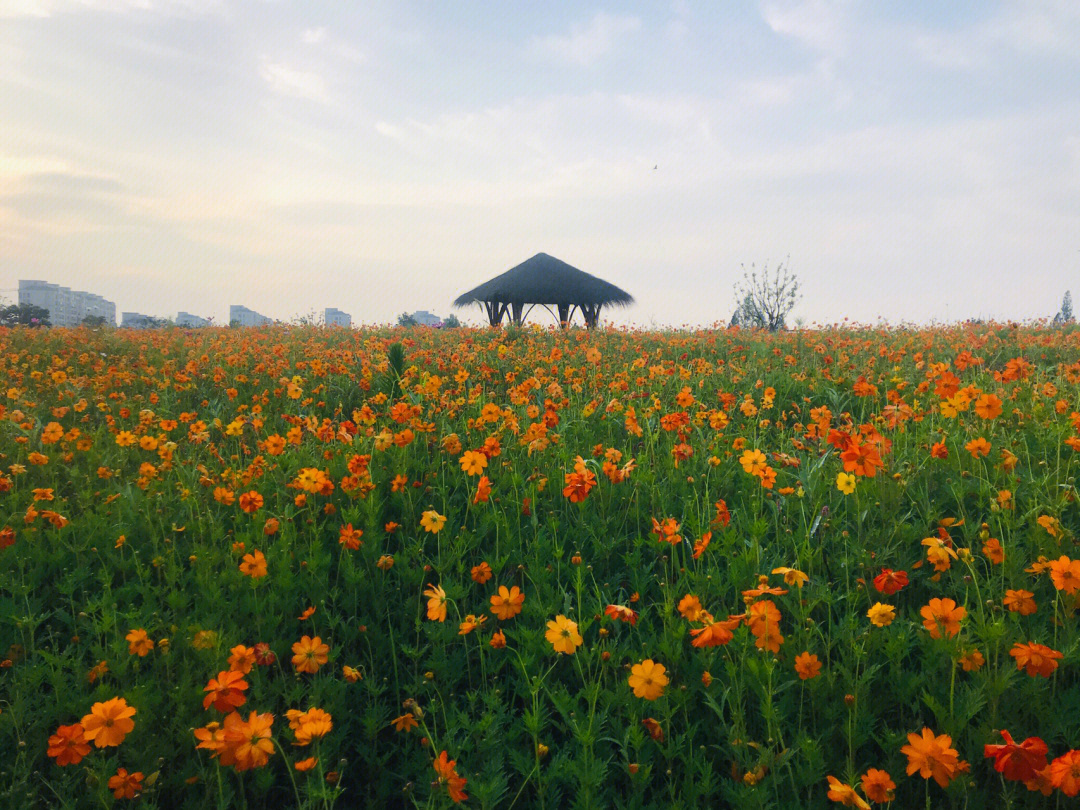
(288, 81)
(314, 36)
(585, 43)
(815, 23)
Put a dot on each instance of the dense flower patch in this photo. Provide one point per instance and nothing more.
(520, 568)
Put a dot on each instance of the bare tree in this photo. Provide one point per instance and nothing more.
(765, 299)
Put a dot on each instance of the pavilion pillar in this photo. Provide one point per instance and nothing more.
(564, 316)
(515, 312)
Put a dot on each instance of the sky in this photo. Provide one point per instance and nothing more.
(909, 162)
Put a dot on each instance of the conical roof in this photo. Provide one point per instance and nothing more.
(543, 279)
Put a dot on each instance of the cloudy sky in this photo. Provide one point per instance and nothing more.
(916, 161)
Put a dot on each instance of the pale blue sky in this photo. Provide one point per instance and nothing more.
(917, 161)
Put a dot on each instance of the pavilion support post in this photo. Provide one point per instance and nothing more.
(591, 313)
(564, 316)
(515, 312)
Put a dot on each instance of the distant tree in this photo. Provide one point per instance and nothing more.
(405, 319)
(1065, 314)
(765, 299)
(24, 315)
(95, 320)
(451, 322)
(311, 319)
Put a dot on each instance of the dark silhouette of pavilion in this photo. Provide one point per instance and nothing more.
(544, 280)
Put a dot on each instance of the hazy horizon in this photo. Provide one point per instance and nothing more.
(917, 163)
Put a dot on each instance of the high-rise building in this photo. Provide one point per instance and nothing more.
(67, 307)
(242, 316)
(189, 320)
(335, 317)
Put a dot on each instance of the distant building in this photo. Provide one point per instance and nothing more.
(189, 320)
(425, 318)
(67, 307)
(335, 317)
(242, 316)
(136, 320)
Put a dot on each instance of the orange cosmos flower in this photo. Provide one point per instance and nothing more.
(563, 635)
(254, 565)
(648, 680)
(247, 743)
(714, 633)
(942, 615)
(498, 640)
(251, 501)
(845, 794)
(1020, 601)
(807, 666)
(993, 551)
(1066, 574)
(68, 745)
(792, 576)
(483, 490)
(622, 613)
(507, 603)
(405, 723)
(1065, 773)
(690, 607)
(241, 659)
(312, 724)
(932, 756)
(1036, 659)
(350, 537)
(226, 692)
(702, 544)
(306, 764)
(988, 406)
(979, 448)
(862, 459)
(309, 654)
(126, 785)
(753, 462)
(1018, 763)
(471, 623)
(436, 606)
(480, 573)
(972, 661)
(109, 722)
(473, 463)
(939, 450)
(139, 643)
(431, 521)
(579, 484)
(306, 613)
(448, 776)
(878, 786)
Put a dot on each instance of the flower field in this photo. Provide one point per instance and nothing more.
(529, 568)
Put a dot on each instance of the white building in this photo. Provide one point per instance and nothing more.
(335, 317)
(242, 316)
(67, 307)
(425, 318)
(189, 320)
(136, 320)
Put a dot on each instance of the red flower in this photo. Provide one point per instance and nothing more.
(889, 581)
(1020, 762)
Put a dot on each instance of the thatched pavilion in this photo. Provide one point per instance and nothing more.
(546, 281)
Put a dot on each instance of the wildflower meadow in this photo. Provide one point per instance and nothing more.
(528, 568)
